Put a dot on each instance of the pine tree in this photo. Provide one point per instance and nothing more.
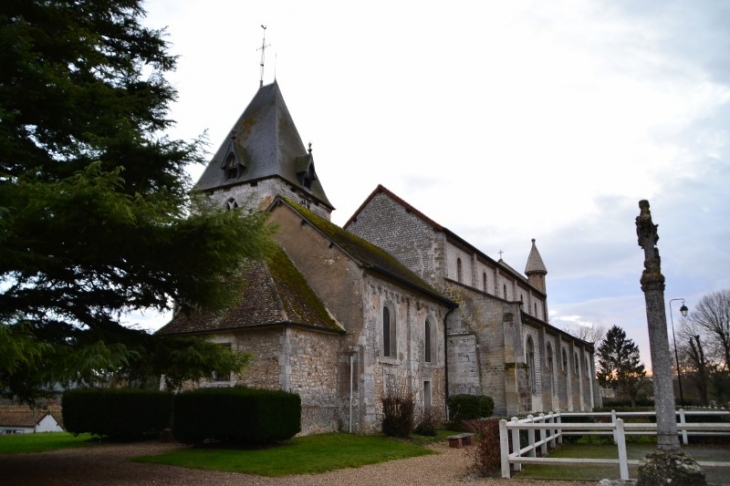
(619, 364)
(96, 217)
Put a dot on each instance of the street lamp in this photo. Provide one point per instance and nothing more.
(683, 310)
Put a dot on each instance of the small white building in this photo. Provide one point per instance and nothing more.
(24, 420)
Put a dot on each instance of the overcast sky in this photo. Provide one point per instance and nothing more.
(502, 121)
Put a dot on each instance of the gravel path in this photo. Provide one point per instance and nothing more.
(107, 464)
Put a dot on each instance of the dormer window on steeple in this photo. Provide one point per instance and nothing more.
(305, 169)
(231, 167)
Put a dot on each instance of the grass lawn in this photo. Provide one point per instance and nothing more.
(590, 472)
(585, 472)
(301, 455)
(16, 443)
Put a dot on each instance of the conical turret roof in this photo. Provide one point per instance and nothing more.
(264, 143)
(534, 261)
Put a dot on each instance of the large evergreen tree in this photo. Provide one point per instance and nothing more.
(619, 364)
(95, 214)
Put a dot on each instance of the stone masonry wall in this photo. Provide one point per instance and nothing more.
(407, 369)
(263, 193)
(535, 388)
(477, 353)
(404, 235)
(294, 360)
(312, 369)
(356, 298)
(264, 370)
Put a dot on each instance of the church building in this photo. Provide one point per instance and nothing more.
(392, 302)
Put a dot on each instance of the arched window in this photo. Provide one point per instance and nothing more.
(504, 291)
(231, 204)
(588, 367)
(577, 364)
(427, 341)
(389, 344)
(530, 358)
(484, 281)
(549, 357)
(535, 309)
(550, 367)
(458, 270)
(565, 361)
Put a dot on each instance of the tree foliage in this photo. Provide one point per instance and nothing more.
(704, 348)
(96, 217)
(619, 364)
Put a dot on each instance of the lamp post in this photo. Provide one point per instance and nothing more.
(683, 310)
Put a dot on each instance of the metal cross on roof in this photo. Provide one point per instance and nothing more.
(263, 47)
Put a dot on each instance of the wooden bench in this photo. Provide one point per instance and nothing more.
(456, 441)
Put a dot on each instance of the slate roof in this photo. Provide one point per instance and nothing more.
(366, 254)
(265, 143)
(275, 294)
(534, 261)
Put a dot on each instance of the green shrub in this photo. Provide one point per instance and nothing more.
(568, 419)
(119, 414)
(241, 415)
(398, 411)
(468, 407)
(641, 402)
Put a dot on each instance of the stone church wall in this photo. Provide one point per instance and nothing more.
(264, 369)
(534, 377)
(295, 360)
(404, 235)
(356, 299)
(312, 370)
(480, 350)
(263, 193)
(407, 370)
(551, 373)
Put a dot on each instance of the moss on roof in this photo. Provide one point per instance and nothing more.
(275, 293)
(300, 302)
(367, 254)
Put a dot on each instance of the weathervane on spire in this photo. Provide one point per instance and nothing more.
(263, 47)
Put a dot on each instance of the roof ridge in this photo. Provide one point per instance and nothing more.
(382, 189)
(362, 251)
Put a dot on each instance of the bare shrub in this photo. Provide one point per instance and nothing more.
(487, 458)
(429, 422)
(398, 412)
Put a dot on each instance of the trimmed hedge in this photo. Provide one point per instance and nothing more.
(117, 413)
(243, 415)
(468, 407)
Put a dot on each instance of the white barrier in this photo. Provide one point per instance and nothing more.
(552, 430)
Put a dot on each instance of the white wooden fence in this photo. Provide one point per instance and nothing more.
(551, 431)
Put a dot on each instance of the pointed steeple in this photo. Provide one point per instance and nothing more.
(535, 269)
(264, 144)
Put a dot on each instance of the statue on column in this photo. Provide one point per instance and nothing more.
(668, 464)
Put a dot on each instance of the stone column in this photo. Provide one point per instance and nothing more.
(652, 284)
(668, 464)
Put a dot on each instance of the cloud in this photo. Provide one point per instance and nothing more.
(503, 121)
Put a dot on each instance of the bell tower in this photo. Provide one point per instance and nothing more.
(264, 157)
